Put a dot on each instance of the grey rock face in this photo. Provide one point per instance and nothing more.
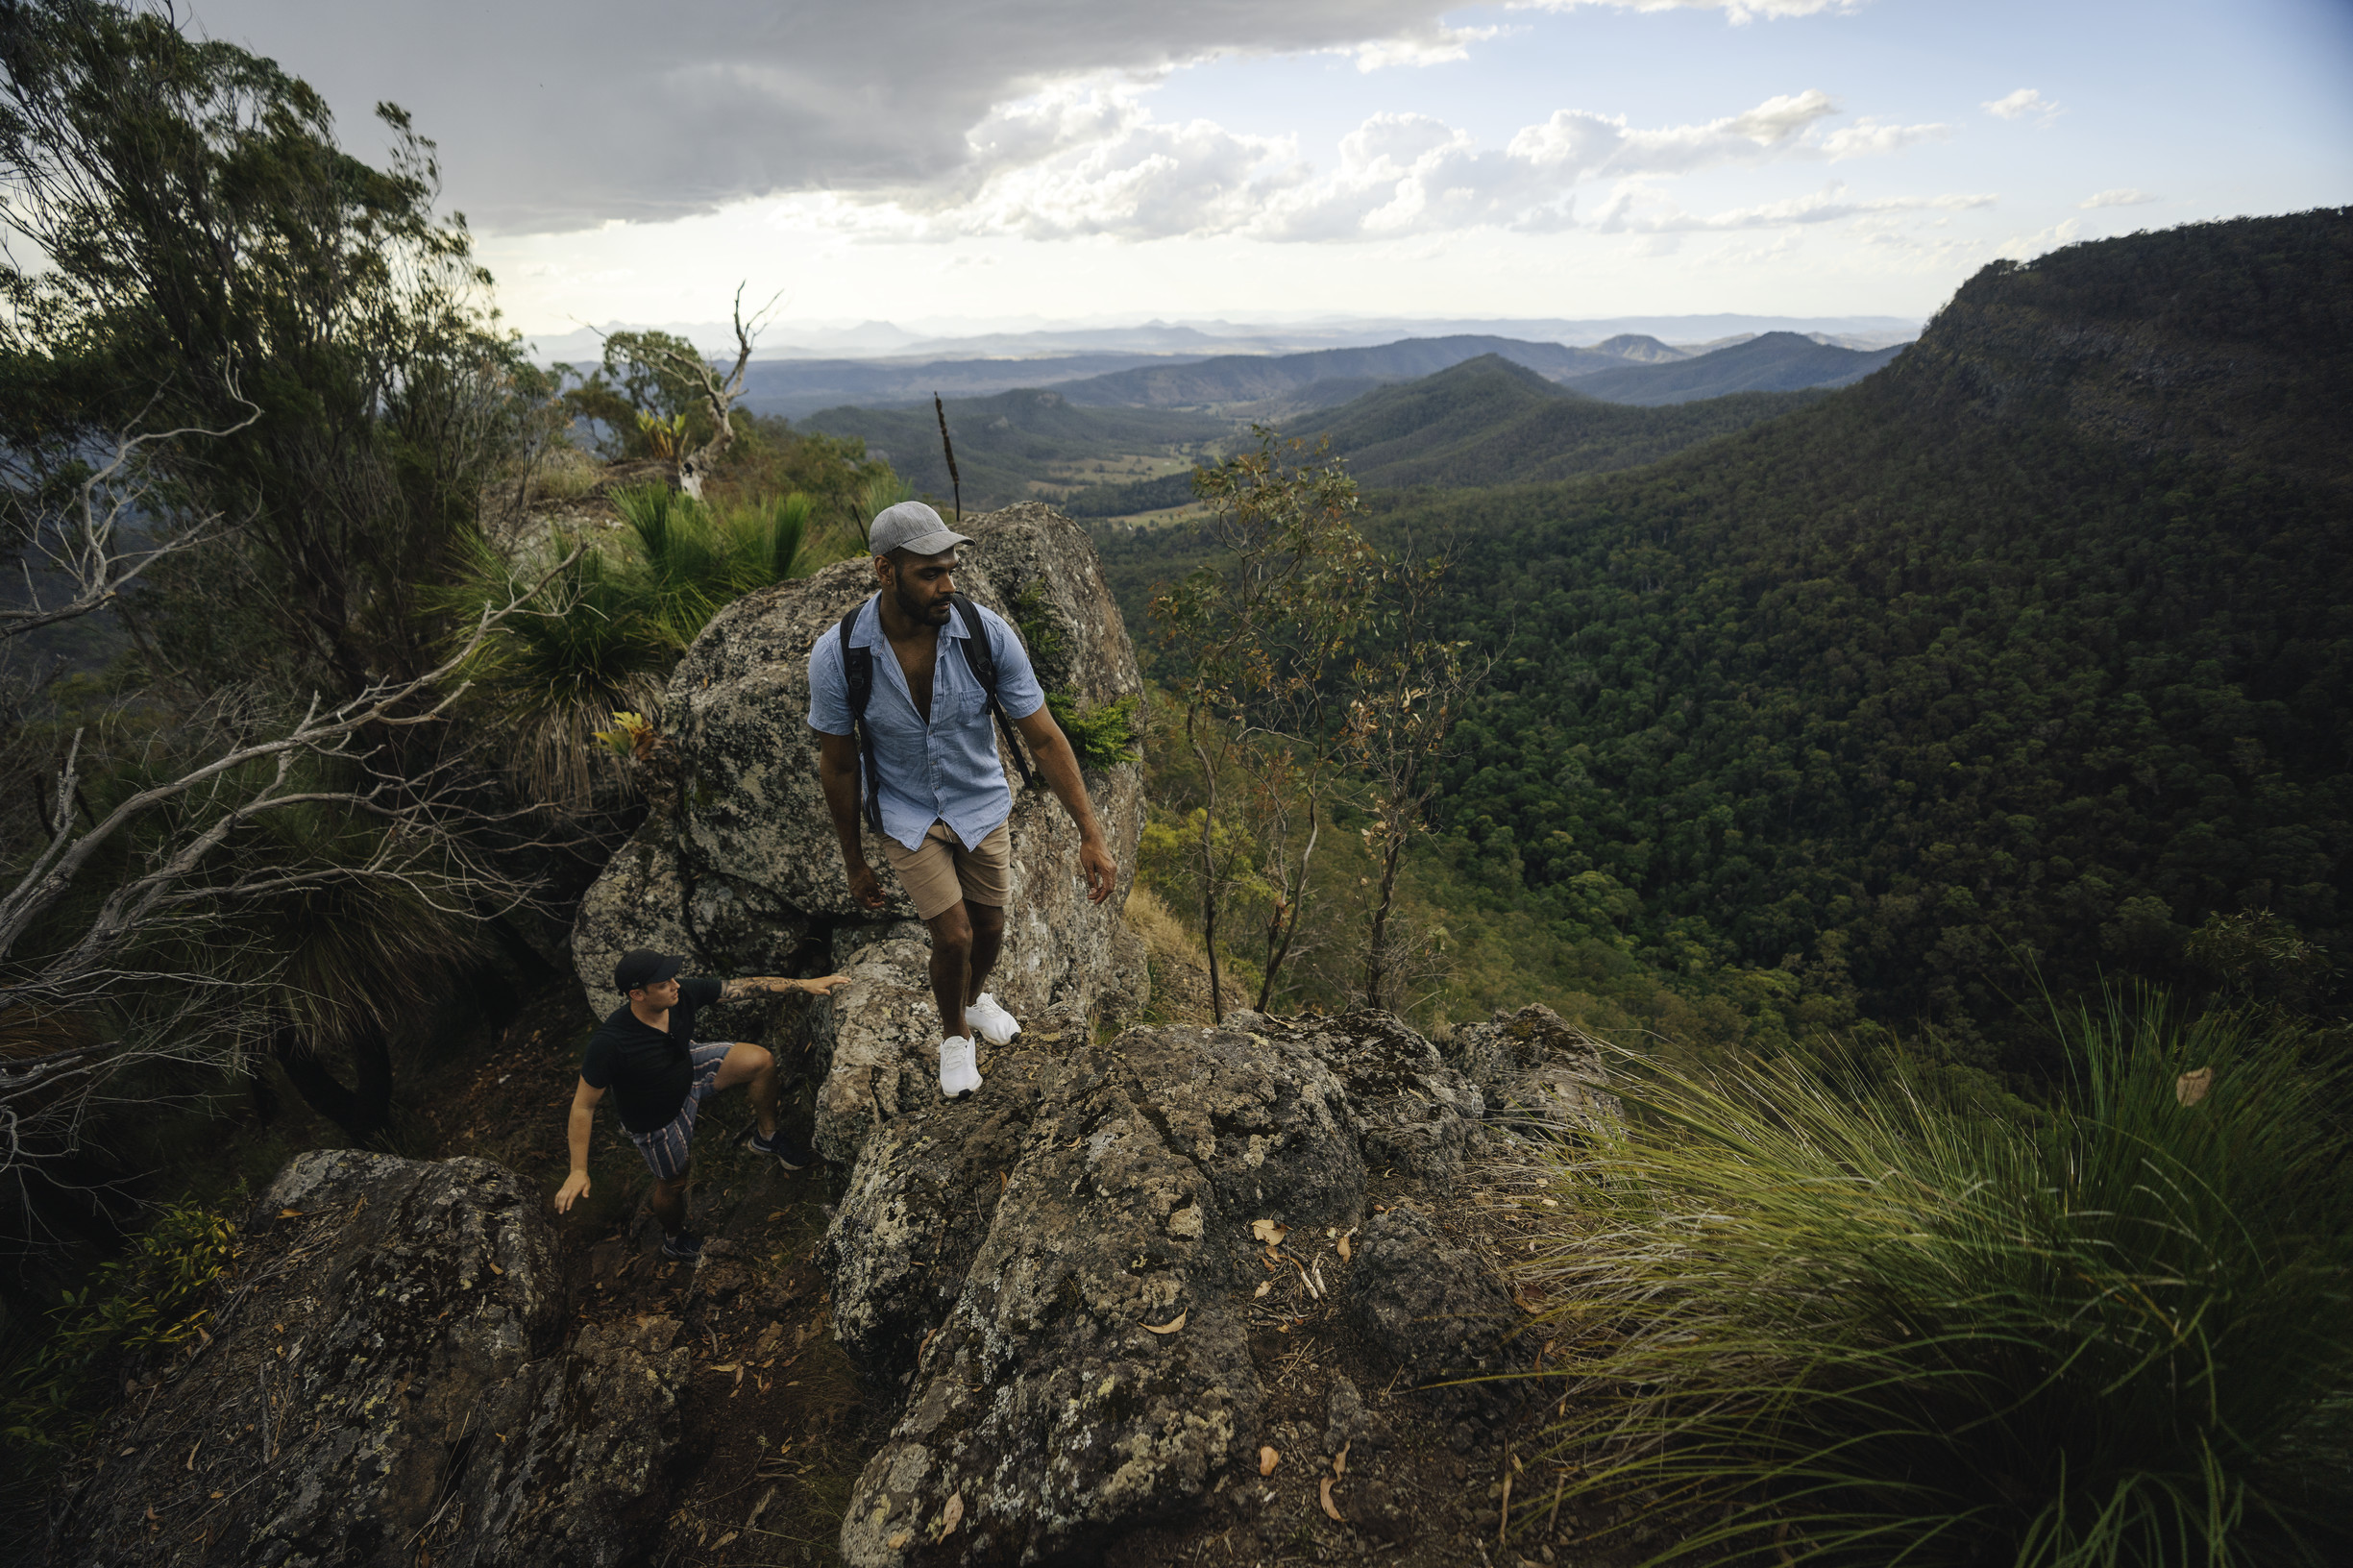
(737, 865)
(1432, 1308)
(1537, 1072)
(921, 1201)
(1075, 1347)
(395, 1340)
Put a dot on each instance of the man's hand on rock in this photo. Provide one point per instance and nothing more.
(1102, 871)
(575, 1185)
(825, 984)
(865, 887)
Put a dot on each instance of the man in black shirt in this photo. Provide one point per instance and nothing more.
(645, 1056)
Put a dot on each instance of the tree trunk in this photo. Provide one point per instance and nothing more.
(1377, 954)
(1275, 955)
(1208, 877)
(363, 1112)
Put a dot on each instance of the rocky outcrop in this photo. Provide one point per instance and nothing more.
(1535, 1072)
(387, 1380)
(736, 864)
(1070, 1275)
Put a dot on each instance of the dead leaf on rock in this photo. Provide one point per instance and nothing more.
(1343, 1249)
(1170, 1326)
(1268, 1459)
(898, 1540)
(1271, 1232)
(724, 1540)
(1264, 1286)
(951, 1516)
(1339, 1461)
(1331, 1509)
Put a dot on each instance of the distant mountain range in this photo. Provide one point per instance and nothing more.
(869, 340)
(1774, 362)
(1009, 443)
(1484, 422)
(794, 388)
(1425, 411)
(1253, 378)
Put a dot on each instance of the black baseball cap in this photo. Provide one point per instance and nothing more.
(642, 966)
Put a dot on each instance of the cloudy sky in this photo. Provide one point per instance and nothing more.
(969, 165)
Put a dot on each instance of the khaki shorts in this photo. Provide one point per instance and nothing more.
(944, 873)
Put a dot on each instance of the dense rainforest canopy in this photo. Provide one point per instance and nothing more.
(2014, 666)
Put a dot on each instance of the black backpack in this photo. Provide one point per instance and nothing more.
(858, 671)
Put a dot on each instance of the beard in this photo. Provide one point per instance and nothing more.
(916, 610)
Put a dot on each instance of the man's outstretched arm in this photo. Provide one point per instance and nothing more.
(773, 985)
(1051, 749)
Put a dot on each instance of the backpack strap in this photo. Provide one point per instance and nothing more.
(981, 659)
(858, 675)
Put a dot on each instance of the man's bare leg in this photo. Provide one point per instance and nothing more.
(951, 965)
(668, 1204)
(988, 924)
(756, 1067)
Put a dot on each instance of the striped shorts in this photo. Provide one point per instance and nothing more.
(665, 1147)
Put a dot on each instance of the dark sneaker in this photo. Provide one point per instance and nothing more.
(685, 1247)
(781, 1145)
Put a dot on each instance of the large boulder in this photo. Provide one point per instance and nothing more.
(387, 1379)
(1063, 1277)
(736, 864)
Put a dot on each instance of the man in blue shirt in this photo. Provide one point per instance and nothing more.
(945, 804)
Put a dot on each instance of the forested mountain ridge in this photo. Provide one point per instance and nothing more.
(2247, 361)
(1772, 362)
(1488, 422)
(1248, 377)
(2025, 657)
(1484, 422)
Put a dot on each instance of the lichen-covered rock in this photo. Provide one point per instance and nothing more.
(874, 1048)
(1095, 1373)
(1409, 1109)
(737, 866)
(1537, 1073)
(388, 1372)
(921, 1199)
(1434, 1309)
(639, 901)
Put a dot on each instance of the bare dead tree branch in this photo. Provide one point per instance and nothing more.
(719, 393)
(191, 882)
(85, 547)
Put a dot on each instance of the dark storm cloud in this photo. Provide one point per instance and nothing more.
(554, 117)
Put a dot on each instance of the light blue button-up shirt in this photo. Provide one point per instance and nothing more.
(946, 770)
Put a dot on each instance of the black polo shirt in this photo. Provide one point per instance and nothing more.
(649, 1070)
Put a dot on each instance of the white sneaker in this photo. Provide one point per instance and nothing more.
(957, 1075)
(996, 1026)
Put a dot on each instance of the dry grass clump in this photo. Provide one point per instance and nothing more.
(1810, 1320)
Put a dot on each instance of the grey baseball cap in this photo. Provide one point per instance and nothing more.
(913, 528)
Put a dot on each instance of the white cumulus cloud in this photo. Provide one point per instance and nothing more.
(2025, 101)
(1868, 138)
(1090, 160)
(1636, 207)
(1433, 45)
(1734, 11)
(2122, 196)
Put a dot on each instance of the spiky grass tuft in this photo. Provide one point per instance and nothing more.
(1812, 1321)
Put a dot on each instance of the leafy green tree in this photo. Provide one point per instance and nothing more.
(1257, 632)
(191, 247)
